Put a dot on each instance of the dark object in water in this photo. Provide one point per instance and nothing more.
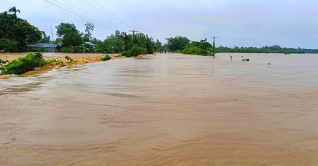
(246, 60)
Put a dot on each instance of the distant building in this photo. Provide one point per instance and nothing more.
(91, 44)
(45, 47)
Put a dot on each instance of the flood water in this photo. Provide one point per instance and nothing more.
(165, 110)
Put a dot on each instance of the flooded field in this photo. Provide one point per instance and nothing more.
(165, 110)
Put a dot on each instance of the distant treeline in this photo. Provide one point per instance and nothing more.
(184, 45)
(18, 35)
(266, 49)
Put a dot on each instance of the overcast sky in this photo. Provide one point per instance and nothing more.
(289, 23)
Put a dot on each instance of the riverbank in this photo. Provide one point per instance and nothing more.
(78, 59)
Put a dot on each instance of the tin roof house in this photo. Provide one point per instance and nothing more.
(91, 44)
(44, 47)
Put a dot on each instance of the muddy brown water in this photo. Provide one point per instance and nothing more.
(165, 110)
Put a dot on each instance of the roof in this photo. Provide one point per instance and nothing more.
(89, 43)
(45, 45)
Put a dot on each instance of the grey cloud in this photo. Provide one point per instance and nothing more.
(290, 23)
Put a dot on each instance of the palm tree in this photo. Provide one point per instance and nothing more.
(14, 10)
(126, 39)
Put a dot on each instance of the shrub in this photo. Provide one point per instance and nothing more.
(69, 59)
(24, 64)
(135, 51)
(53, 62)
(195, 50)
(67, 50)
(7, 45)
(105, 58)
(42, 50)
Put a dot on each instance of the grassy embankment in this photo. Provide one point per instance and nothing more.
(34, 63)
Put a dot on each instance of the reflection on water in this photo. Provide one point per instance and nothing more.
(164, 110)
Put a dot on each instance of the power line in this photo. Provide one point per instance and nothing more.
(98, 10)
(76, 14)
(31, 14)
(86, 12)
(114, 16)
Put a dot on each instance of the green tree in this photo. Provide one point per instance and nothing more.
(14, 10)
(89, 27)
(7, 45)
(177, 43)
(24, 33)
(158, 46)
(45, 39)
(69, 34)
(18, 30)
(127, 39)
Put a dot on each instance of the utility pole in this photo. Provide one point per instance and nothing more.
(213, 51)
(133, 31)
(53, 39)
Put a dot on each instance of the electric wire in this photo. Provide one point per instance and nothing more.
(76, 14)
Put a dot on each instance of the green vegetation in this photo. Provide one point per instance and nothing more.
(177, 43)
(2, 62)
(89, 27)
(69, 59)
(45, 38)
(266, 49)
(198, 48)
(105, 58)
(69, 35)
(135, 51)
(7, 45)
(24, 64)
(15, 33)
(183, 45)
(53, 62)
(69, 49)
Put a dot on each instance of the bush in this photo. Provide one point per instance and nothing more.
(105, 58)
(195, 50)
(53, 62)
(135, 51)
(24, 64)
(69, 59)
(7, 45)
(67, 50)
(42, 50)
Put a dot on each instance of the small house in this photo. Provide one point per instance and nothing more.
(44, 47)
(91, 44)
